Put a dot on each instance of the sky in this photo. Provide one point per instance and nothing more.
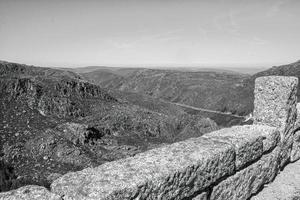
(73, 33)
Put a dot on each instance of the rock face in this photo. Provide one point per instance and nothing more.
(79, 133)
(275, 105)
(53, 97)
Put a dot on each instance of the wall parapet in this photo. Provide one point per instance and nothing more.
(175, 171)
(231, 163)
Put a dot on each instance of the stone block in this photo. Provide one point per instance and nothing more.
(275, 100)
(174, 171)
(29, 192)
(248, 181)
(275, 104)
(249, 141)
(271, 136)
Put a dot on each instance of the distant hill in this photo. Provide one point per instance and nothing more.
(292, 69)
(121, 71)
(200, 89)
(225, 91)
(233, 70)
(10, 69)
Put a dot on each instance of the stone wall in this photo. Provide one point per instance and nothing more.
(275, 105)
(231, 163)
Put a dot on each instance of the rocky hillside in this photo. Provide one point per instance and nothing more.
(8, 69)
(215, 90)
(52, 121)
(208, 90)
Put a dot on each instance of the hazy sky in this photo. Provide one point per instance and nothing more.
(139, 32)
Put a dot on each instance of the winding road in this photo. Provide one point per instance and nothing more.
(207, 110)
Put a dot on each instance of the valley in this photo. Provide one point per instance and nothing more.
(53, 121)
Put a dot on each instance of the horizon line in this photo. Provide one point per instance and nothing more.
(155, 65)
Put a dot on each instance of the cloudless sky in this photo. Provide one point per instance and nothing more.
(150, 32)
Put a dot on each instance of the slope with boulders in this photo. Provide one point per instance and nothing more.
(52, 123)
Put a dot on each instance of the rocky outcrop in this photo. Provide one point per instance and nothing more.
(231, 163)
(9, 69)
(81, 133)
(48, 146)
(62, 98)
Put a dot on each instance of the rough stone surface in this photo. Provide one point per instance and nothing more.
(202, 196)
(29, 192)
(174, 171)
(249, 141)
(286, 185)
(249, 180)
(295, 153)
(273, 97)
(74, 132)
(53, 176)
(271, 136)
(275, 105)
(297, 124)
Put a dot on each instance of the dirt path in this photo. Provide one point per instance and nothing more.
(286, 185)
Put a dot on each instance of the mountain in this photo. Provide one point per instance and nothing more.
(8, 69)
(223, 91)
(98, 69)
(53, 121)
(205, 89)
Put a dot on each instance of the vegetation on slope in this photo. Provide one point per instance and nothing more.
(211, 90)
(215, 90)
(52, 122)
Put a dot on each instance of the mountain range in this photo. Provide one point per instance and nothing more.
(53, 120)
